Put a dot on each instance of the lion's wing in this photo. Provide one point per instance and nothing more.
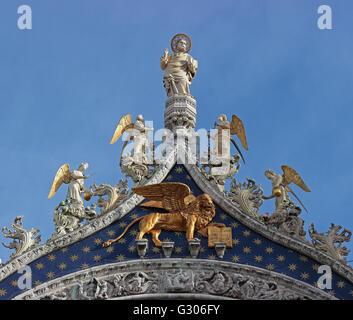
(171, 194)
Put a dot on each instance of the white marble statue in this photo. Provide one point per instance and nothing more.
(223, 137)
(140, 140)
(138, 132)
(179, 67)
(76, 185)
(74, 179)
(69, 213)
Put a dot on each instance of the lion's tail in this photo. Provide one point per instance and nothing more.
(126, 229)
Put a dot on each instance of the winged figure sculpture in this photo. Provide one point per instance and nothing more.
(137, 131)
(280, 183)
(235, 127)
(75, 180)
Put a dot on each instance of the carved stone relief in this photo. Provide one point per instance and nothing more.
(175, 276)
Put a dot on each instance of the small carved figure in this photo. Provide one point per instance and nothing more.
(218, 282)
(140, 282)
(248, 289)
(79, 293)
(213, 282)
(179, 67)
(101, 290)
(118, 287)
(178, 281)
(186, 212)
(265, 290)
(135, 283)
(235, 290)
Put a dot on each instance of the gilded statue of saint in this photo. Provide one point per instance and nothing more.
(179, 67)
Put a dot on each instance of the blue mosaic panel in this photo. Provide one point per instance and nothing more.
(249, 248)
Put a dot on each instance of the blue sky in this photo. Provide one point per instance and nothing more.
(65, 84)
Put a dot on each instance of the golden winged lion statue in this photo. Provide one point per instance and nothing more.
(186, 212)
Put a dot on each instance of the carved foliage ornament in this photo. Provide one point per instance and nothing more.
(331, 241)
(22, 239)
(247, 196)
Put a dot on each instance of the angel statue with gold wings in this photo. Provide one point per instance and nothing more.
(75, 180)
(70, 212)
(222, 165)
(280, 187)
(223, 137)
(135, 164)
(137, 131)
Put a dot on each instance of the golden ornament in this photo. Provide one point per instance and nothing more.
(87, 196)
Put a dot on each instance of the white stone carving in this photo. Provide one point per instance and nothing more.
(163, 277)
(22, 239)
(133, 200)
(115, 195)
(331, 241)
(246, 196)
(180, 113)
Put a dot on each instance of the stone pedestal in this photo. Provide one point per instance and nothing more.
(194, 247)
(167, 247)
(180, 112)
(220, 248)
(142, 246)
